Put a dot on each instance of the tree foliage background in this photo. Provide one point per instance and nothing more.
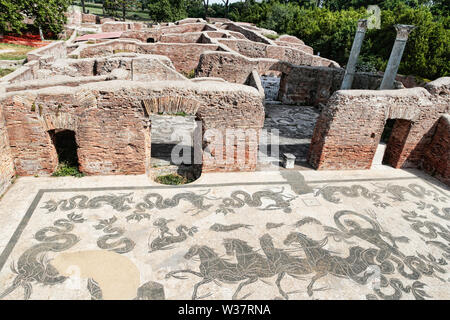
(47, 14)
(327, 25)
(330, 30)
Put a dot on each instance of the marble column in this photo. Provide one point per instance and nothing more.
(354, 54)
(403, 31)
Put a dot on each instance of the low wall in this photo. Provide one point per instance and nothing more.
(56, 49)
(249, 34)
(349, 127)
(7, 171)
(132, 66)
(24, 73)
(117, 26)
(89, 18)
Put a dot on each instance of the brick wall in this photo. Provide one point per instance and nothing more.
(111, 122)
(437, 155)
(6, 162)
(349, 127)
(314, 85)
(185, 56)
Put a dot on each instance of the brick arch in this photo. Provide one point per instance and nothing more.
(59, 122)
(171, 105)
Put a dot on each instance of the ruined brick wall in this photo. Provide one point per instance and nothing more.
(111, 122)
(192, 37)
(247, 48)
(252, 49)
(121, 26)
(437, 154)
(6, 162)
(133, 66)
(249, 34)
(226, 65)
(314, 85)
(89, 18)
(185, 56)
(349, 128)
(55, 50)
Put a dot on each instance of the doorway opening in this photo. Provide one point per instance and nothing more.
(172, 149)
(271, 83)
(67, 150)
(392, 142)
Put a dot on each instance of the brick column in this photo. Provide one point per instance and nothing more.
(403, 31)
(354, 54)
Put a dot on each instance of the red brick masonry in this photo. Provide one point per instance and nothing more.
(350, 126)
(112, 126)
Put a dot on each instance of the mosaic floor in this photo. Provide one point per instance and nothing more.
(380, 234)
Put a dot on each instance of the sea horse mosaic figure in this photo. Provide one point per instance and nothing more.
(32, 266)
(212, 268)
(117, 202)
(387, 251)
(322, 262)
(123, 245)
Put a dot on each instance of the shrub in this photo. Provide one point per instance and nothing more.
(65, 170)
(173, 179)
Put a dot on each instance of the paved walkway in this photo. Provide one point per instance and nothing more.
(379, 234)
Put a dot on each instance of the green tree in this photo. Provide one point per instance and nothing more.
(47, 14)
(119, 8)
(10, 18)
(166, 10)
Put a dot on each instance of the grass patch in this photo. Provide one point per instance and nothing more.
(173, 179)
(272, 36)
(4, 72)
(190, 74)
(179, 114)
(19, 53)
(66, 170)
(122, 51)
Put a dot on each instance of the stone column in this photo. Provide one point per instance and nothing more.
(354, 54)
(403, 31)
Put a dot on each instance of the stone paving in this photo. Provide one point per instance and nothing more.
(379, 234)
(295, 125)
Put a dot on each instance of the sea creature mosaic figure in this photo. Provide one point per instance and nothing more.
(156, 201)
(166, 239)
(122, 245)
(240, 198)
(119, 203)
(33, 266)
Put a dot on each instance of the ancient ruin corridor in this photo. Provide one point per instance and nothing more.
(295, 125)
(310, 235)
